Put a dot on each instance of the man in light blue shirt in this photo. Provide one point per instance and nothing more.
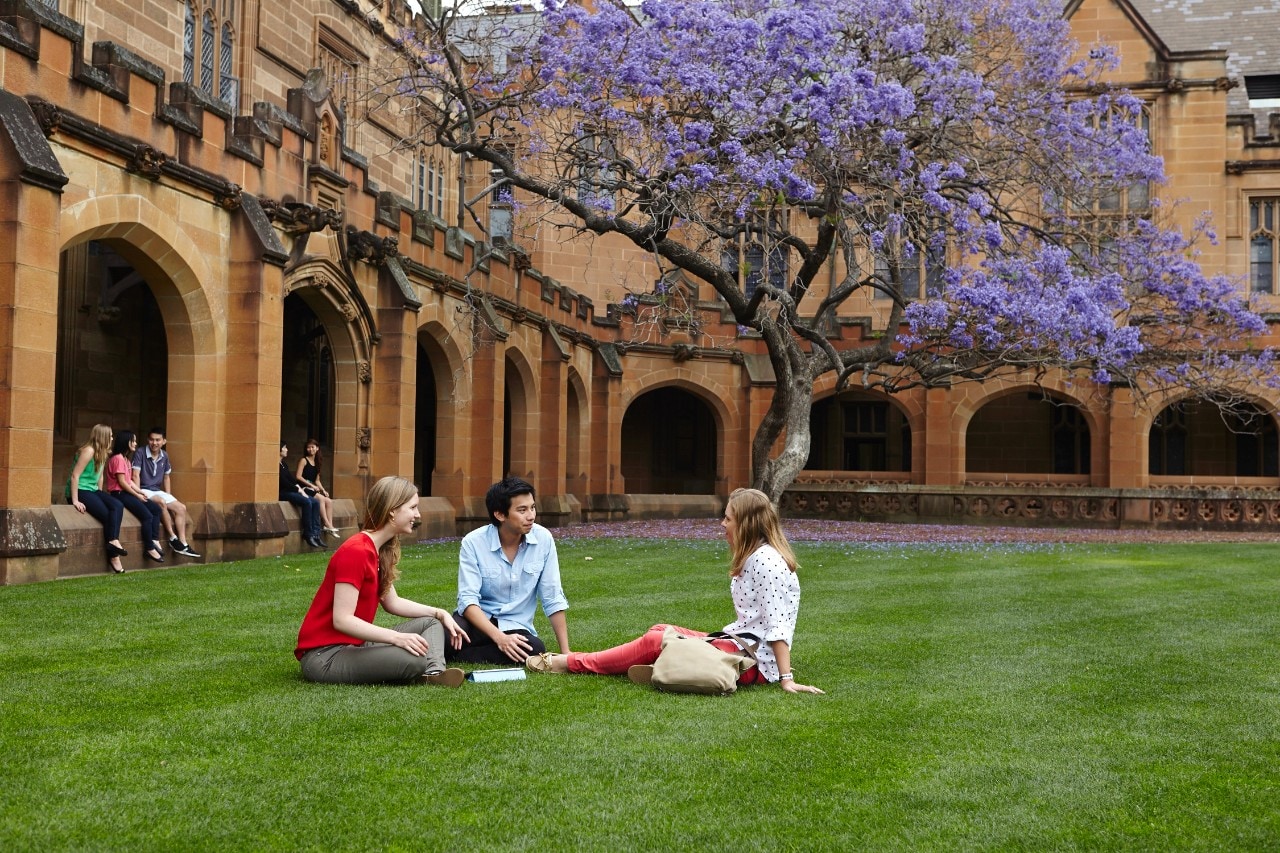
(504, 570)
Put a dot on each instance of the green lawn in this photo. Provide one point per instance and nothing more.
(984, 697)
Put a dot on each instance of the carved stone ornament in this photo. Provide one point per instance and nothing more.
(348, 311)
(369, 247)
(47, 115)
(684, 352)
(229, 197)
(297, 218)
(326, 131)
(147, 161)
(362, 438)
(364, 372)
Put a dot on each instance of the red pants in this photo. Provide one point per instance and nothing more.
(644, 650)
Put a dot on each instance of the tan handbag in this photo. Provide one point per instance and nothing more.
(694, 665)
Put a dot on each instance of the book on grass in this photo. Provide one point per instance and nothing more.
(512, 673)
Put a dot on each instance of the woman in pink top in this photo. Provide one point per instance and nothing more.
(120, 484)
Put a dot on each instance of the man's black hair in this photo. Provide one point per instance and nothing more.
(156, 430)
(500, 494)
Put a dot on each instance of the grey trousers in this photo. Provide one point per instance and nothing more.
(378, 663)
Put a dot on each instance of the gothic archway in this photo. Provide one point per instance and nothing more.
(669, 444)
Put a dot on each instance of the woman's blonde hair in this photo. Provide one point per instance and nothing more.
(386, 496)
(756, 523)
(100, 442)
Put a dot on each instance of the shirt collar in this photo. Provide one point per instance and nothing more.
(495, 543)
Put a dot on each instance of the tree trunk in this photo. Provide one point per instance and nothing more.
(788, 416)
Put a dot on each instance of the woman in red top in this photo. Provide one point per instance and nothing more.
(338, 642)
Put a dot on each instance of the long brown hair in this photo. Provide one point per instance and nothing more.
(386, 496)
(100, 442)
(756, 523)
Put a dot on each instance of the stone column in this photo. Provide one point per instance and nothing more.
(555, 508)
(30, 185)
(248, 519)
(606, 498)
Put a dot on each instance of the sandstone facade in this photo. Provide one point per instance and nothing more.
(206, 233)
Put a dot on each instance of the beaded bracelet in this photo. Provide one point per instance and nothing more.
(786, 676)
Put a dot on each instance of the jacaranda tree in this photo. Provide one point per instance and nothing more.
(962, 162)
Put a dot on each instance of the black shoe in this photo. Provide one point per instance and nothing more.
(184, 549)
(116, 551)
(155, 556)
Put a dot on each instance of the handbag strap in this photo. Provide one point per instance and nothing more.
(747, 646)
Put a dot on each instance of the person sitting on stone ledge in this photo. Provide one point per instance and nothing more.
(308, 476)
(85, 493)
(120, 484)
(308, 507)
(152, 471)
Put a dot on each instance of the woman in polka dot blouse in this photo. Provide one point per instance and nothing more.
(766, 598)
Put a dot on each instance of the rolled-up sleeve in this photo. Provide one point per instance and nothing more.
(469, 572)
(550, 592)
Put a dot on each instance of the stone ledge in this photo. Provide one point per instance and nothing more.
(644, 507)
(30, 532)
(1208, 508)
(46, 543)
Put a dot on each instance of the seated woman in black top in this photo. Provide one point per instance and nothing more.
(291, 490)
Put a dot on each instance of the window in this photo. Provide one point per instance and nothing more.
(597, 174)
(1263, 91)
(1071, 452)
(1167, 443)
(208, 61)
(754, 256)
(427, 185)
(865, 436)
(500, 216)
(341, 66)
(1263, 244)
(1117, 205)
(916, 282)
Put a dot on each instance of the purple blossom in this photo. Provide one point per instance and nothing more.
(935, 134)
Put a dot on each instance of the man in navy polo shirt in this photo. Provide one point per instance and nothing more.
(151, 470)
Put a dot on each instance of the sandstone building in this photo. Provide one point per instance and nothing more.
(200, 231)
